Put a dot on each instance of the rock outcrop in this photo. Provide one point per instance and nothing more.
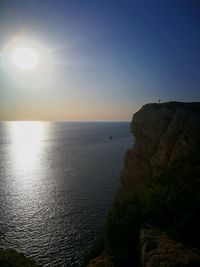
(160, 185)
(164, 134)
(11, 258)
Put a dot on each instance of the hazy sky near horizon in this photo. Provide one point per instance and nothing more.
(106, 57)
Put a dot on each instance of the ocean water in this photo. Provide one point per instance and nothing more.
(57, 182)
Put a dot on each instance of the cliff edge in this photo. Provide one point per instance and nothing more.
(160, 185)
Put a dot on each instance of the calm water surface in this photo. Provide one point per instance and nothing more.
(57, 181)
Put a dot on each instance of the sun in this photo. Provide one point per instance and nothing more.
(25, 58)
(29, 62)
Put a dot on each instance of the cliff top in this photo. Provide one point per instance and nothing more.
(174, 105)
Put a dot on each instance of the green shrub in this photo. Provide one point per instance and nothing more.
(171, 202)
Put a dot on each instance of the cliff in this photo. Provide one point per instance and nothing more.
(160, 185)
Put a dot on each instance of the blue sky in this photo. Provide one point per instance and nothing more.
(110, 57)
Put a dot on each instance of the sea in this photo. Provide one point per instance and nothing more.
(57, 183)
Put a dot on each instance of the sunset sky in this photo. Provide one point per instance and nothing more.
(98, 59)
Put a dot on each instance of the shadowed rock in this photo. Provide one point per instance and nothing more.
(160, 186)
(11, 258)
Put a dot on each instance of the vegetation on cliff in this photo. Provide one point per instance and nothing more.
(170, 203)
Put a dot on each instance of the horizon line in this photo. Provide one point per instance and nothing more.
(65, 120)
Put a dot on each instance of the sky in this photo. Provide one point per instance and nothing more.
(104, 58)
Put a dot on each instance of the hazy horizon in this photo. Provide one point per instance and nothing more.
(65, 121)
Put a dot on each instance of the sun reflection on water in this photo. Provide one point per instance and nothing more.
(27, 138)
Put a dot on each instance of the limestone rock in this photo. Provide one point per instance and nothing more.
(166, 150)
(164, 134)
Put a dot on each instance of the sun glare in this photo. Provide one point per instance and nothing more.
(27, 139)
(25, 58)
(29, 62)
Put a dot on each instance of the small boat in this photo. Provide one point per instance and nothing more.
(111, 137)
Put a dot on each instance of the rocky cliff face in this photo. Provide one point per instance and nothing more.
(160, 185)
(164, 134)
